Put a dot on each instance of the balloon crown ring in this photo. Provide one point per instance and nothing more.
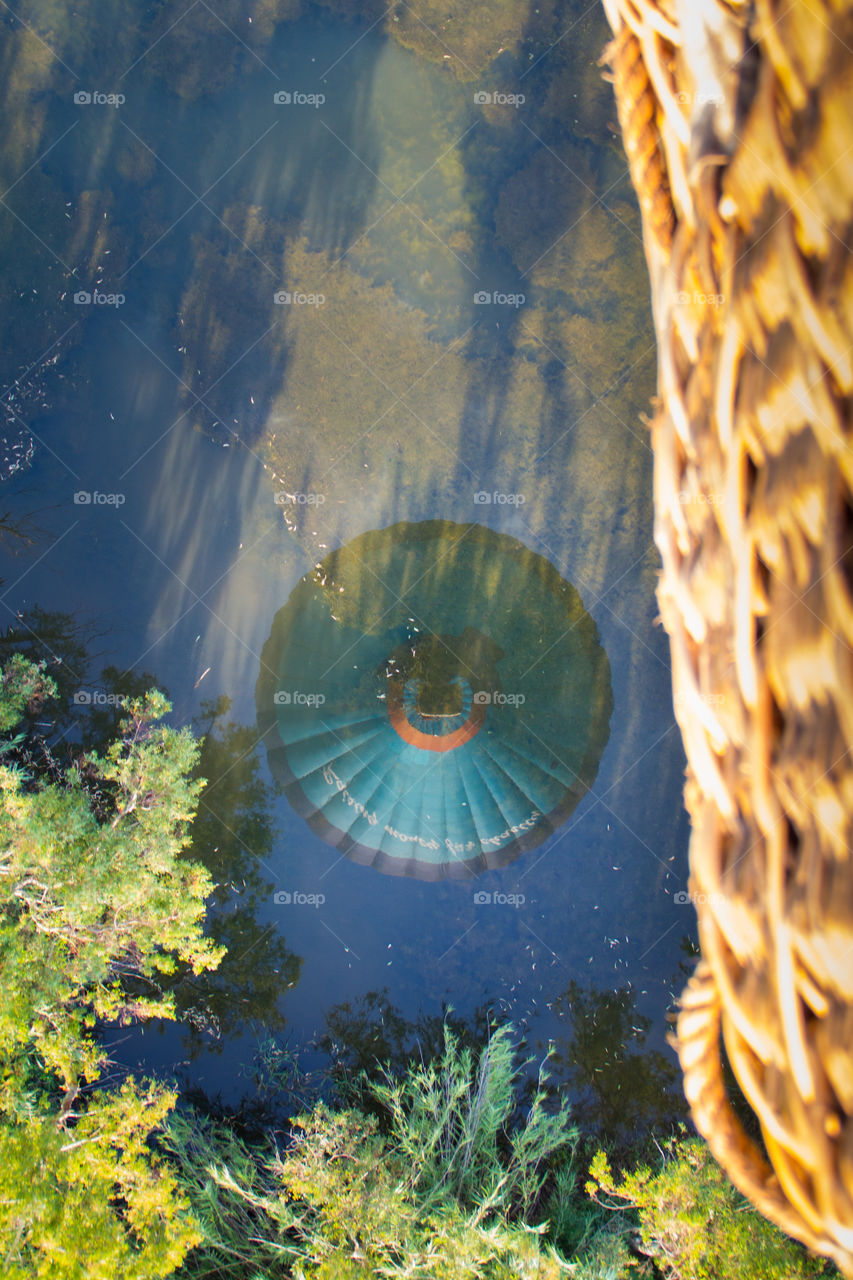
(439, 688)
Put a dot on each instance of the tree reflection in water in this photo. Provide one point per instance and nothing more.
(620, 1089)
(231, 835)
(369, 1034)
(617, 1086)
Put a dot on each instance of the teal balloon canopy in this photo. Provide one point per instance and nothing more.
(434, 699)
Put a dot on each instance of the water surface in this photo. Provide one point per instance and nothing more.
(386, 301)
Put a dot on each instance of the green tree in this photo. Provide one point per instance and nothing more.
(86, 711)
(58, 642)
(90, 896)
(693, 1222)
(83, 1197)
(450, 1121)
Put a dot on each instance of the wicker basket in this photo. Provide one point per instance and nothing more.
(737, 124)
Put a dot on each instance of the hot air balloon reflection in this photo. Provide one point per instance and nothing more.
(434, 699)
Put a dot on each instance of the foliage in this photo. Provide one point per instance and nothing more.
(580, 1229)
(366, 1037)
(438, 1191)
(346, 1196)
(231, 1187)
(84, 708)
(23, 686)
(450, 1123)
(85, 900)
(695, 1224)
(59, 1193)
(357, 1196)
(91, 894)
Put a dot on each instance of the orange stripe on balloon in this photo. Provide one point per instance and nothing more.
(430, 741)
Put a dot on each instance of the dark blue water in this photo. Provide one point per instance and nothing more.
(182, 411)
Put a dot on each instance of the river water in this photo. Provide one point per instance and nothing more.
(281, 277)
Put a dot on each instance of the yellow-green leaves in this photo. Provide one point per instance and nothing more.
(91, 1202)
(96, 898)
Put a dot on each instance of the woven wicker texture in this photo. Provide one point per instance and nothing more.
(738, 126)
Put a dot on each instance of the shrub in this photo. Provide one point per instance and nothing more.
(450, 1121)
(438, 1193)
(695, 1224)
